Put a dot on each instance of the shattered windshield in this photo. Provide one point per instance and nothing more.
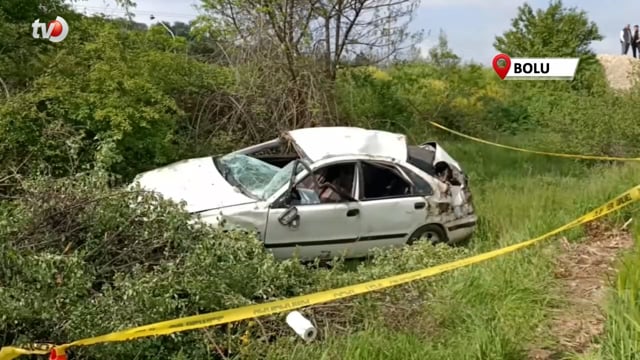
(254, 176)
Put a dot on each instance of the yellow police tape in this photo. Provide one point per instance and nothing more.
(273, 307)
(571, 156)
(10, 352)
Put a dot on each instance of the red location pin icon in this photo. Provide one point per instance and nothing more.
(502, 71)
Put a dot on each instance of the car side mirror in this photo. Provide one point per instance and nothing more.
(289, 217)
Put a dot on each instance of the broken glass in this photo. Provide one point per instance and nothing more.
(280, 179)
(255, 176)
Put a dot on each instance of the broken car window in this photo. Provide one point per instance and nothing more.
(280, 179)
(254, 176)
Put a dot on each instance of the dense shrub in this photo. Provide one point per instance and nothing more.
(81, 257)
(471, 99)
(98, 263)
(77, 259)
(110, 98)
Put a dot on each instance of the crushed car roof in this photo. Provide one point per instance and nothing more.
(321, 142)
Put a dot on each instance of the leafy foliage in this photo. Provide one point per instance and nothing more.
(23, 58)
(109, 258)
(554, 31)
(111, 102)
(77, 241)
(116, 98)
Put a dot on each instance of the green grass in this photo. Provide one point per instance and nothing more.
(497, 309)
(622, 335)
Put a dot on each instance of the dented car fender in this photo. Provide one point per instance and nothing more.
(250, 217)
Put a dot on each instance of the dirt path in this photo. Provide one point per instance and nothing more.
(584, 270)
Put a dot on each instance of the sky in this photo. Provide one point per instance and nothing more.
(470, 25)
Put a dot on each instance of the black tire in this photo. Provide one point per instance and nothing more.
(433, 232)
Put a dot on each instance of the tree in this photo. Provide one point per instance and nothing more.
(22, 58)
(322, 29)
(180, 28)
(441, 55)
(110, 97)
(554, 32)
(125, 23)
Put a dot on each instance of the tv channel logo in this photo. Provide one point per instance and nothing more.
(55, 30)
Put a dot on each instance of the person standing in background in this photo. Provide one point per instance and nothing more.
(625, 39)
(635, 41)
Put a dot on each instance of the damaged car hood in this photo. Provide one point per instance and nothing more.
(195, 181)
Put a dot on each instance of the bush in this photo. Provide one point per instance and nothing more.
(80, 257)
(471, 99)
(111, 99)
(77, 260)
(97, 263)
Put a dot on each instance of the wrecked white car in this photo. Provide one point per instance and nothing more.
(327, 191)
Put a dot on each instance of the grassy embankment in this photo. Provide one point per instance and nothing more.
(501, 308)
(77, 261)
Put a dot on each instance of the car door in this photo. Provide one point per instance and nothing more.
(390, 207)
(322, 229)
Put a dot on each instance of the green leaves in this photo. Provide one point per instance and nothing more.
(553, 32)
(114, 94)
(556, 31)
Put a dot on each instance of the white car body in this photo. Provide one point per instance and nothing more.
(254, 195)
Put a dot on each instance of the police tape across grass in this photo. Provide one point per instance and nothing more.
(546, 153)
(278, 306)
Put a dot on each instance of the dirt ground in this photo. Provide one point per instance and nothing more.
(584, 270)
(619, 70)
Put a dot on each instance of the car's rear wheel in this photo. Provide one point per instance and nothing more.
(431, 232)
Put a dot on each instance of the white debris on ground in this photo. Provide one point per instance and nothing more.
(619, 70)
